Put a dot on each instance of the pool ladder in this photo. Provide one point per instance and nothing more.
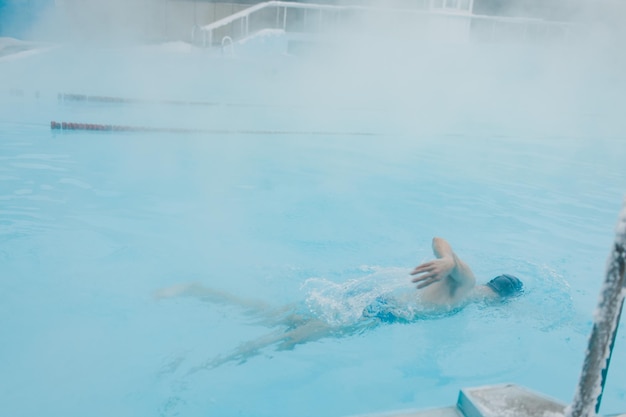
(606, 321)
(228, 47)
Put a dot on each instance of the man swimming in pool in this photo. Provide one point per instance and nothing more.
(446, 284)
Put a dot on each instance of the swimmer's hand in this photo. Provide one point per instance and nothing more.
(433, 271)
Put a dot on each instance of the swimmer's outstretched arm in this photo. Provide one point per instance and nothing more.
(447, 264)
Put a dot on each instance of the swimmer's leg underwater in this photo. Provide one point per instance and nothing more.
(310, 331)
(209, 295)
(299, 328)
(263, 312)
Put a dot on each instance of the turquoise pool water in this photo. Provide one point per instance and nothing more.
(516, 156)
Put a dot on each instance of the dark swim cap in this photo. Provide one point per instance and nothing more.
(506, 286)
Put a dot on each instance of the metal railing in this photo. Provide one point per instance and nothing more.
(310, 17)
(271, 15)
(588, 394)
(316, 18)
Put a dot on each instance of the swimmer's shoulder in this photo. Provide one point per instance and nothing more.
(446, 294)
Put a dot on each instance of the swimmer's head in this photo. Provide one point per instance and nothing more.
(506, 286)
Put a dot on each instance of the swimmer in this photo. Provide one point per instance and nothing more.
(448, 282)
(445, 284)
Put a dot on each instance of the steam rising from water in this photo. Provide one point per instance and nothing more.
(152, 206)
(376, 62)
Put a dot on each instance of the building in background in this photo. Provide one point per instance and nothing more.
(162, 20)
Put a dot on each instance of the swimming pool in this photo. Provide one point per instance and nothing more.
(328, 177)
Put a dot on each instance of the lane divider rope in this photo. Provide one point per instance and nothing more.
(94, 127)
(63, 97)
(83, 98)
